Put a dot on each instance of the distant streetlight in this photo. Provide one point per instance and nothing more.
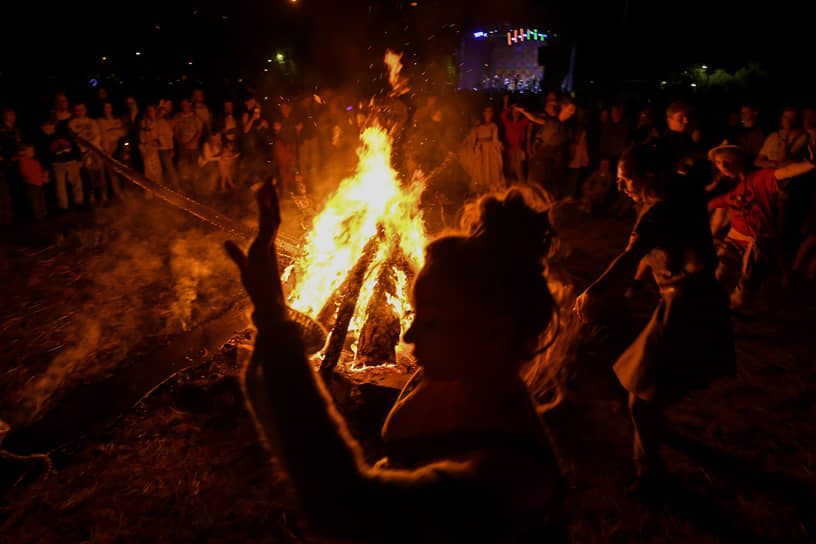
(279, 57)
(693, 84)
(138, 53)
(704, 67)
(104, 58)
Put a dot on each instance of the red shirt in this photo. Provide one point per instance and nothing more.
(31, 170)
(752, 203)
(514, 131)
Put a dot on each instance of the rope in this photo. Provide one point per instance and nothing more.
(287, 247)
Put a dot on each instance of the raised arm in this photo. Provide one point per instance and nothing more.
(533, 118)
(341, 495)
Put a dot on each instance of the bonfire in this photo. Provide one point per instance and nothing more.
(354, 272)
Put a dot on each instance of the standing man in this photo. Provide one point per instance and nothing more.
(88, 129)
(750, 136)
(308, 148)
(285, 146)
(164, 133)
(188, 128)
(515, 132)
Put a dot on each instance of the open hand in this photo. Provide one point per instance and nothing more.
(259, 268)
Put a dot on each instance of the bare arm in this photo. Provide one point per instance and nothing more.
(793, 169)
(533, 118)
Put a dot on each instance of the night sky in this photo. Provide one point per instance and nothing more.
(334, 42)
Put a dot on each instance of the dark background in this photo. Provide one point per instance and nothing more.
(341, 43)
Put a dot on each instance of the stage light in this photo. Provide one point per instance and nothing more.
(479, 34)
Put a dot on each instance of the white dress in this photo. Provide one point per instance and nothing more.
(482, 159)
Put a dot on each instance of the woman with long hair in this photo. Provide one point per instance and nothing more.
(468, 457)
(688, 341)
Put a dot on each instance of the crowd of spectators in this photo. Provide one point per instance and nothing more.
(570, 151)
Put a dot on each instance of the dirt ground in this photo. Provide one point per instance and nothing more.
(185, 463)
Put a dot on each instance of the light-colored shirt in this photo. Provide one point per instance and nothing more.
(188, 129)
(164, 131)
(86, 128)
(112, 131)
(774, 146)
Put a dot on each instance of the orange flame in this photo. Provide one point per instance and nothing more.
(373, 196)
(399, 84)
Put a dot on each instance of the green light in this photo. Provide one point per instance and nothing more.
(279, 57)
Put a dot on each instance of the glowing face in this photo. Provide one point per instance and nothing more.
(198, 95)
(677, 122)
(487, 115)
(747, 116)
(789, 118)
(726, 166)
(80, 110)
(108, 109)
(626, 182)
(62, 102)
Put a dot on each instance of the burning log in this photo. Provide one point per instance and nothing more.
(354, 283)
(381, 330)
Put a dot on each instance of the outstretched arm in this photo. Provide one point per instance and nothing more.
(793, 169)
(530, 116)
(622, 267)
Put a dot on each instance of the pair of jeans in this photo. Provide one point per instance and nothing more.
(67, 173)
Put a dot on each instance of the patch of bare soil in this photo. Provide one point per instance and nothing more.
(186, 465)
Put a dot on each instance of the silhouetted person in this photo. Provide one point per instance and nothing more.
(688, 341)
(468, 458)
(750, 136)
(752, 200)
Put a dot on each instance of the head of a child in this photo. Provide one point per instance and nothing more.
(27, 151)
(80, 110)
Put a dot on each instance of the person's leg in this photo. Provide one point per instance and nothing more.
(60, 179)
(169, 173)
(36, 196)
(756, 269)
(648, 419)
(98, 183)
(75, 180)
(729, 266)
(805, 249)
